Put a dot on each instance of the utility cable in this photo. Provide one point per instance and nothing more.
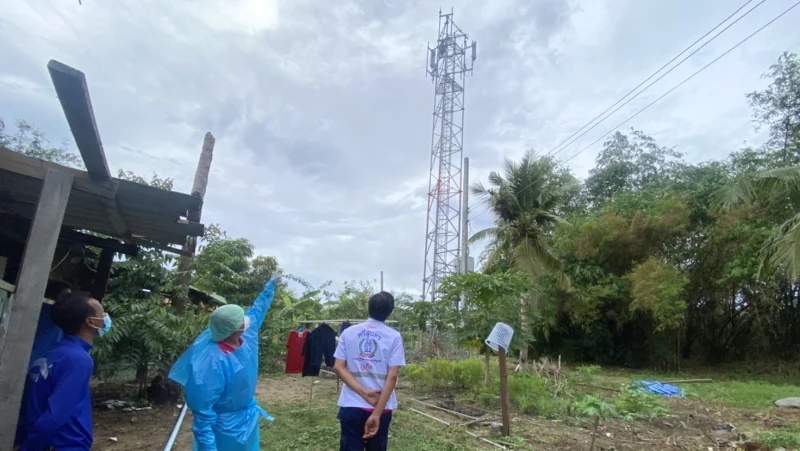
(685, 80)
(569, 140)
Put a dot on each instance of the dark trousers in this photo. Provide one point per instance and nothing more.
(353, 421)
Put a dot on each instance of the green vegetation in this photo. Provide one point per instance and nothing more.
(312, 428)
(786, 437)
(745, 394)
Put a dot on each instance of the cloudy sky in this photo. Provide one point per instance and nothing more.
(322, 112)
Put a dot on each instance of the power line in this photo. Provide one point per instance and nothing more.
(562, 144)
(685, 80)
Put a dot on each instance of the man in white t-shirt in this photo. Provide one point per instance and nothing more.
(368, 360)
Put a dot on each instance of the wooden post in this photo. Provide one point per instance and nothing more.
(199, 190)
(27, 303)
(504, 392)
(103, 272)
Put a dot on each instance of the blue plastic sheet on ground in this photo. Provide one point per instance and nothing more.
(658, 388)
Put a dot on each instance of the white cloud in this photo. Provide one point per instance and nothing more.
(322, 113)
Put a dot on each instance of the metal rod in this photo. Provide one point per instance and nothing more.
(468, 432)
(381, 280)
(176, 429)
(354, 321)
(689, 381)
(469, 417)
(430, 416)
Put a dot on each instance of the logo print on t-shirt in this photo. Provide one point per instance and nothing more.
(367, 347)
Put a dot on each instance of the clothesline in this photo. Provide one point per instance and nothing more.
(317, 321)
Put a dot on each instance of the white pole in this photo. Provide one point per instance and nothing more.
(464, 224)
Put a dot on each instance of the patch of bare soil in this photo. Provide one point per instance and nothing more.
(149, 429)
(691, 425)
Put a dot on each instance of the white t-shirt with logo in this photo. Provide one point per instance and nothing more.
(369, 349)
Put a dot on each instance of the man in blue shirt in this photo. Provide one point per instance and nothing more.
(47, 333)
(47, 336)
(58, 408)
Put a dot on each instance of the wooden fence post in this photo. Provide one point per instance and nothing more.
(504, 392)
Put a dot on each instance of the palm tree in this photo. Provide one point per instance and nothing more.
(781, 188)
(527, 201)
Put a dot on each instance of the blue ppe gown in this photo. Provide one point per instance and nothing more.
(220, 388)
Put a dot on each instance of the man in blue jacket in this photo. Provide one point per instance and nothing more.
(58, 408)
(47, 333)
(219, 374)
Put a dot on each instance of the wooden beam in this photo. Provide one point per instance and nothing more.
(37, 168)
(15, 351)
(100, 282)
(73, 93)
(74, 236)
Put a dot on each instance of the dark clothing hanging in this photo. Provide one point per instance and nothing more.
(321, 342)
(344, 326)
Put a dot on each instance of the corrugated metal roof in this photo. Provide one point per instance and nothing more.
(150, 215)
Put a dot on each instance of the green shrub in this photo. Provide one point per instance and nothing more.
(588, 370)
(468, 373)
(441, 372)
(529, 394)
(488, 396)
(417, 375)
(636, 405)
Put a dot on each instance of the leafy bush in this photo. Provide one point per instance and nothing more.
(441, 372)
(636, 405)
(468, 374)
(530, 394)
(418, 376)
(147, 334)
(588, 370)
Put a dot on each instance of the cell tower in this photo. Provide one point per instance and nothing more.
(448, 65)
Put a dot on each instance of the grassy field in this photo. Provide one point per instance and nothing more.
(689, 423)
(305, 415)
(733, 387)
(318, 430)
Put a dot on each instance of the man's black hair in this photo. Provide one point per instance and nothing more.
(56, 289)
(71, 312)
(381, 305)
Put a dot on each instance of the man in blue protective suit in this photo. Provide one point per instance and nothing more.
(219, 374)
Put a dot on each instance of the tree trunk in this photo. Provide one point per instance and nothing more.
(142, 376)
(524, 327)
(199, 190)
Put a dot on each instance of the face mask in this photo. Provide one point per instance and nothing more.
(106, 325)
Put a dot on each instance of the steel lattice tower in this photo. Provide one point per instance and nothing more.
(448, 65)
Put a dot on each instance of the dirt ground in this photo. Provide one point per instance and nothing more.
(690, 425)
(150, 429)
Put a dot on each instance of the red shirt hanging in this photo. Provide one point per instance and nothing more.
(294, 352)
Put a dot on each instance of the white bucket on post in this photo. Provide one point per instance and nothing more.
(500, 337)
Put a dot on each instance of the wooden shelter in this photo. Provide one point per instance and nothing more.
(44, 205)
